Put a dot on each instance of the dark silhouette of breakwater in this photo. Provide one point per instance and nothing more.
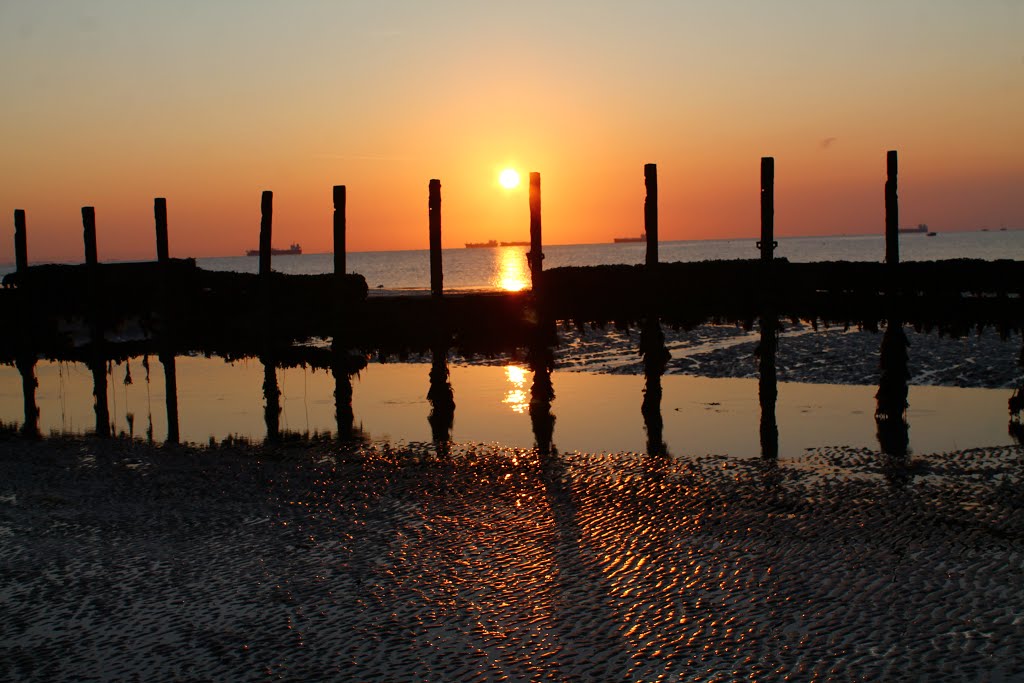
(96, 312)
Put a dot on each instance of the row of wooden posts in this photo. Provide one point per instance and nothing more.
(766, 244)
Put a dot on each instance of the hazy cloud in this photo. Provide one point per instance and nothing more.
(827, 142)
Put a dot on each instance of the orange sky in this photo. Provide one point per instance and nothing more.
(113, 103)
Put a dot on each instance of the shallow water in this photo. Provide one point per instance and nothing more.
(593, 412)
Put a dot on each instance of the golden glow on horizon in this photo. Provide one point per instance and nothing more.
(509, 178)
(516, 397)
(512, 270)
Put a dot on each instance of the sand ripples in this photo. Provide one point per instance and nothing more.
(496, 564)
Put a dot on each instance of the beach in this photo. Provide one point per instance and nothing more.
(320, 560)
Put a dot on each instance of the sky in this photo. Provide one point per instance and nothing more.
(111, 103)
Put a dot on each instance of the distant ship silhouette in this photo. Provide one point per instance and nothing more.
(640, 238)
(294, 249)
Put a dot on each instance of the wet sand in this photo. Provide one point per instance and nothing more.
(827, 355)
(121, 561)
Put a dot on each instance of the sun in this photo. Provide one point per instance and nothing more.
(509, 178)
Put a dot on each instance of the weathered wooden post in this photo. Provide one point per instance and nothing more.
(339, 229)
(272, 398)
(651, 213)
(535, 257)
(434, 211)
(266, 227)
(892, 211)
(767, 244)
(89, 234)
(20, 241)
(160, 215)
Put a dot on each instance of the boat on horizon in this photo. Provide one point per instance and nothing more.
(293, 250)
(494, 243)
(921, 228)
(640, 238)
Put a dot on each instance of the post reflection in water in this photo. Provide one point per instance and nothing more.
(442, 400)
(98, 367)
(272, 398)
(656, 357)
(171, 389)
(511, 274)
(27, 368)
(767, 385)
(542, 361)
(1016, 406)
(891, 411)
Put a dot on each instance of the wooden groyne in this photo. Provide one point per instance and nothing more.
(96, 313)
(171, 305)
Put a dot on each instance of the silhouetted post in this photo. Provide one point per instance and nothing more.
(171, 394)
(651, 213)
(892, 211)
(20, 241)
(26, 364)
(266, 228)
(339, 229)
(160, 215)
(535, 257)
(767, 244)
(89, 234)
(434, 218)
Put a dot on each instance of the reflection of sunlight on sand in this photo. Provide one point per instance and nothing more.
(511, 271)
(516, 397)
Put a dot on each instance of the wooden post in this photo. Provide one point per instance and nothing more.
(89, 234)
(339, 229)
(266, 225)
(160, 214)
(892, 211)
(767, 244)
(434, 211)
(20, 241)
(535, 257)
(651, 213)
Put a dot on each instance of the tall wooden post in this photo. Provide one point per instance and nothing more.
(339, 229)
(535, 257)
(160, 215)
(20, 241)
(434, 211)
(767, 244)
(651, 213)
(892, 211)
(167, 359)
(266, 227)
(89, 234)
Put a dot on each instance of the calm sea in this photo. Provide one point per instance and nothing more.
(389, 272)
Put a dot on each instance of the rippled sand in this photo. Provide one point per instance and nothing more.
(120, 561)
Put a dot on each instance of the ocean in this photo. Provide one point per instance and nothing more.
(395, 272)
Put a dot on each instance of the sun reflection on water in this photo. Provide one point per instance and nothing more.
(516, 398)
(511, 274)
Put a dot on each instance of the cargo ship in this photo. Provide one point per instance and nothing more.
(293, 250)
